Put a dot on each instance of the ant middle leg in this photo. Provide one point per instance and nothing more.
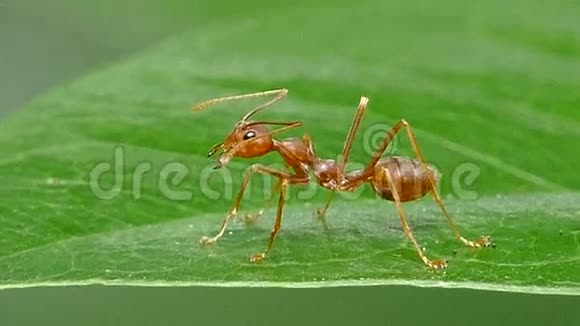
(347, 146)
(483, 241)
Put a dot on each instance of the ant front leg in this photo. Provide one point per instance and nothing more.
(285, 180)
(253, 218)
(233, 212)
(283, 177)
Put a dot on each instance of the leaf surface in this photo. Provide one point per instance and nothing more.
(493, 107)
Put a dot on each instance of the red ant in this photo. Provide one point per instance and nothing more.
(394, 178)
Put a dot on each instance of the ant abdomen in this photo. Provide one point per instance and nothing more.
(408, 177)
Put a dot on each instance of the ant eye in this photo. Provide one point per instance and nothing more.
(249, 134)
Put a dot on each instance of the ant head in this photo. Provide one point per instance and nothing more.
(246, 140)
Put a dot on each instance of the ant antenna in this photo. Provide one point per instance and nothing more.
(280, 93)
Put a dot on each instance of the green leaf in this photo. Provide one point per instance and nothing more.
(492, 98)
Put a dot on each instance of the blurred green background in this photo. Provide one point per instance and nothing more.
(47, 43)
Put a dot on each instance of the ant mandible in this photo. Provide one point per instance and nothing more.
(394, 178)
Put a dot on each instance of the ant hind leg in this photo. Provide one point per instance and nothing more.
(482, 241)
(433, 264)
